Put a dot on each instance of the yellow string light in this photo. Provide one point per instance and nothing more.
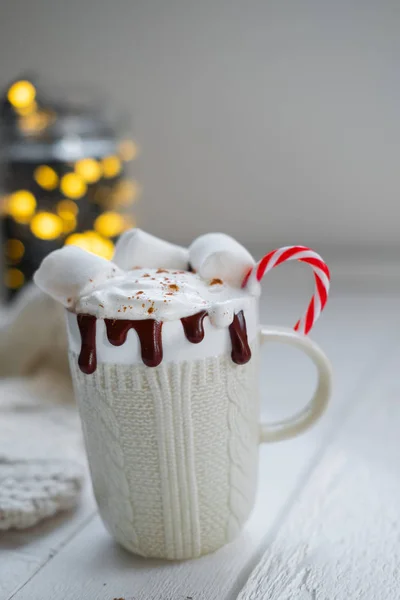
(66, 208)
(80, 240)
(46, 177)
(73, 186)
(14, 278)
(89, 169)
(126, 192)
(46, 226)
(111, 166)
(35, 122)
(93, 242)
(21, 94)
(21, 206)
(100, 245)
(24, 111)
(109, 224)
(14, 249)
(69, 223)
(128, 150)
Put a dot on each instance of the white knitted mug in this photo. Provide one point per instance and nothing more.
(173, 449)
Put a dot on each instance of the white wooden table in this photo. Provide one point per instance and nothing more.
(326, 525)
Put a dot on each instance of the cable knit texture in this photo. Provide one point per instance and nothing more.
(173, 451)
(34, 490)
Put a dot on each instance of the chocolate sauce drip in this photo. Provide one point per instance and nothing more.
(149, 333)
(117, 330)
(87, 358)
(241, 352)
(193, 327)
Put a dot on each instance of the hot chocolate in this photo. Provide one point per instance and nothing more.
(164, 355)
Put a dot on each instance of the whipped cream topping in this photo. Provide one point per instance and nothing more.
(162, 295)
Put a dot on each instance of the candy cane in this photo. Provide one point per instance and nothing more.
(321, 275)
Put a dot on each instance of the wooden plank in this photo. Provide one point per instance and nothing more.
(43, 540)
(24, 552)
(341, 539)
(15, 569)
(91, 566)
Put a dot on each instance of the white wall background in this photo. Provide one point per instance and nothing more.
(276, 121)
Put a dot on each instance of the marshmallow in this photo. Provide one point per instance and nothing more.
(216, 255)
(66, 273)
(135, 248)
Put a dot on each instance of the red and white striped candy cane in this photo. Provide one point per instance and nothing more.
(321, 275)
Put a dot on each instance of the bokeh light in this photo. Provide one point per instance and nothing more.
(14, 249)
(89, 169)
(21, 94)
(80, 240)
(128, 150)
(14, 278)
(111, 166)
(93, 242)
(46, 226)
(27, 110)
(21, 206)
(100, 246)
(46, 177)
(65, 208)
(126, 192)
(34, 122)
(68, 210)
(109, 224)
(73, 186)
(69, 223)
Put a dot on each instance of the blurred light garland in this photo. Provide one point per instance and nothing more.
(111, 166)
(21, 94)
(73, 186)
(46, 226)
(14, 278)
(21, 206)
(89, 169)
(14, 250)
(46, 177)
(54, 191)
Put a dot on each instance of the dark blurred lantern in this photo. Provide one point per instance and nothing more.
(63, 179)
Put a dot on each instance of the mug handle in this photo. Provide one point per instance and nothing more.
(292, 426)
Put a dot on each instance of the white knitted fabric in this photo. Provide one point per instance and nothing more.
(41, 452)
(34, 490)
(173, 451)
